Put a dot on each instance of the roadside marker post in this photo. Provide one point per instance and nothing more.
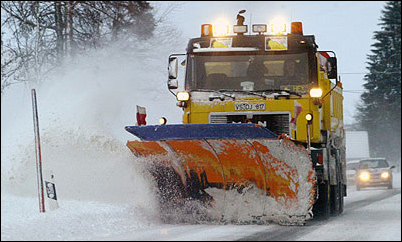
(38, 153)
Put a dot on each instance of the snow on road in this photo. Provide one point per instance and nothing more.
(86, 220)
(377, 221)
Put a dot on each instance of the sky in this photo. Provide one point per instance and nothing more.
(345, 27)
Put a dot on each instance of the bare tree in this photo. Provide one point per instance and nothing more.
(41, 34)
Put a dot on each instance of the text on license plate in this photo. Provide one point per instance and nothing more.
(249, 106)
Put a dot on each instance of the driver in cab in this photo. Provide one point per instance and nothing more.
(293, 74)
(256, 71)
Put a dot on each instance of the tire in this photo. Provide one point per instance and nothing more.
(358, 188)
(322, 207)
(390, 185)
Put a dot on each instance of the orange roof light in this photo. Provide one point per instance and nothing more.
(296, 28)
(206, 30)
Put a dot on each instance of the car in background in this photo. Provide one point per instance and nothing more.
(373, 172)
(351, 167)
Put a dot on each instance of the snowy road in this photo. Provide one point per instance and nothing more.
(356, 206)
(371, 214)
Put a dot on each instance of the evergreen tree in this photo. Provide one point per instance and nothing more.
(380, 111)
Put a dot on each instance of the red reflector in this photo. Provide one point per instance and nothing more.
(320, 159)
(141, 115)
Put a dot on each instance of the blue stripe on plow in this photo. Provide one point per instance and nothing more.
(200, 131)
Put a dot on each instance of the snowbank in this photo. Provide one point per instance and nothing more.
(83, 109)
(74, 220)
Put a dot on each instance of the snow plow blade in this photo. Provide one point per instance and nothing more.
(213, 162)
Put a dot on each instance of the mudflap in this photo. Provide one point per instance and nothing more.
(231, 180)
(322, 208)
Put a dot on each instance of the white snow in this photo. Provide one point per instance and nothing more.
(378, 221)
(90, 220)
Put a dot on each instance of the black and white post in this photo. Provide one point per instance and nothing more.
(38, 154)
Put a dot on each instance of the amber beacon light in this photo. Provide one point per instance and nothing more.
(206, 30)
(296, 28)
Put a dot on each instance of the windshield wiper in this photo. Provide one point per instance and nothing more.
(244, 91)
(260, 93)
(281, 90)
(222, 97)
(256, 93)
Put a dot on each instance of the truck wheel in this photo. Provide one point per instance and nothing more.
(390, 185)
(322, 207)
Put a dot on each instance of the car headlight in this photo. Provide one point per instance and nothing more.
(364, 176)
(385, 175)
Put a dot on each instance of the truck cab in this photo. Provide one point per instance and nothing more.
(280, 81)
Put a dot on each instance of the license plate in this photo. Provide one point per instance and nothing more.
(249, 106)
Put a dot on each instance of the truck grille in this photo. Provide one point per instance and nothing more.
(277, 123)
(218, 119)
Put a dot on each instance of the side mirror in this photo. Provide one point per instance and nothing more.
(172, 68)
(173, 84)
(332, 68)
(392, 167)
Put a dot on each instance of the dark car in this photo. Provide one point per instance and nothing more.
(373, 172)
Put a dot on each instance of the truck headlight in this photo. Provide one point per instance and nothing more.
(385, 175)
(316, 92)
(364, 176)
(309, 117)
(162, 120)
(240, 29)
(183, 96)
(259, 28)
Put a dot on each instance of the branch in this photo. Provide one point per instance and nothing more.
(25, 21)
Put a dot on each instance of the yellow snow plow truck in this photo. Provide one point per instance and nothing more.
(262, 137)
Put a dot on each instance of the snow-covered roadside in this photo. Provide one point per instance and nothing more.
(83, 110)
(85, 220)
(74, 220)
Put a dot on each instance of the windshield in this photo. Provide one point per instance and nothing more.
(369, 164)
(248, 72)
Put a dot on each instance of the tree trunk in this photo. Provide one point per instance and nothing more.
(58, 16)
(70, 27)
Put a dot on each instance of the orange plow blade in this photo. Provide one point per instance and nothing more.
(236, 179)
